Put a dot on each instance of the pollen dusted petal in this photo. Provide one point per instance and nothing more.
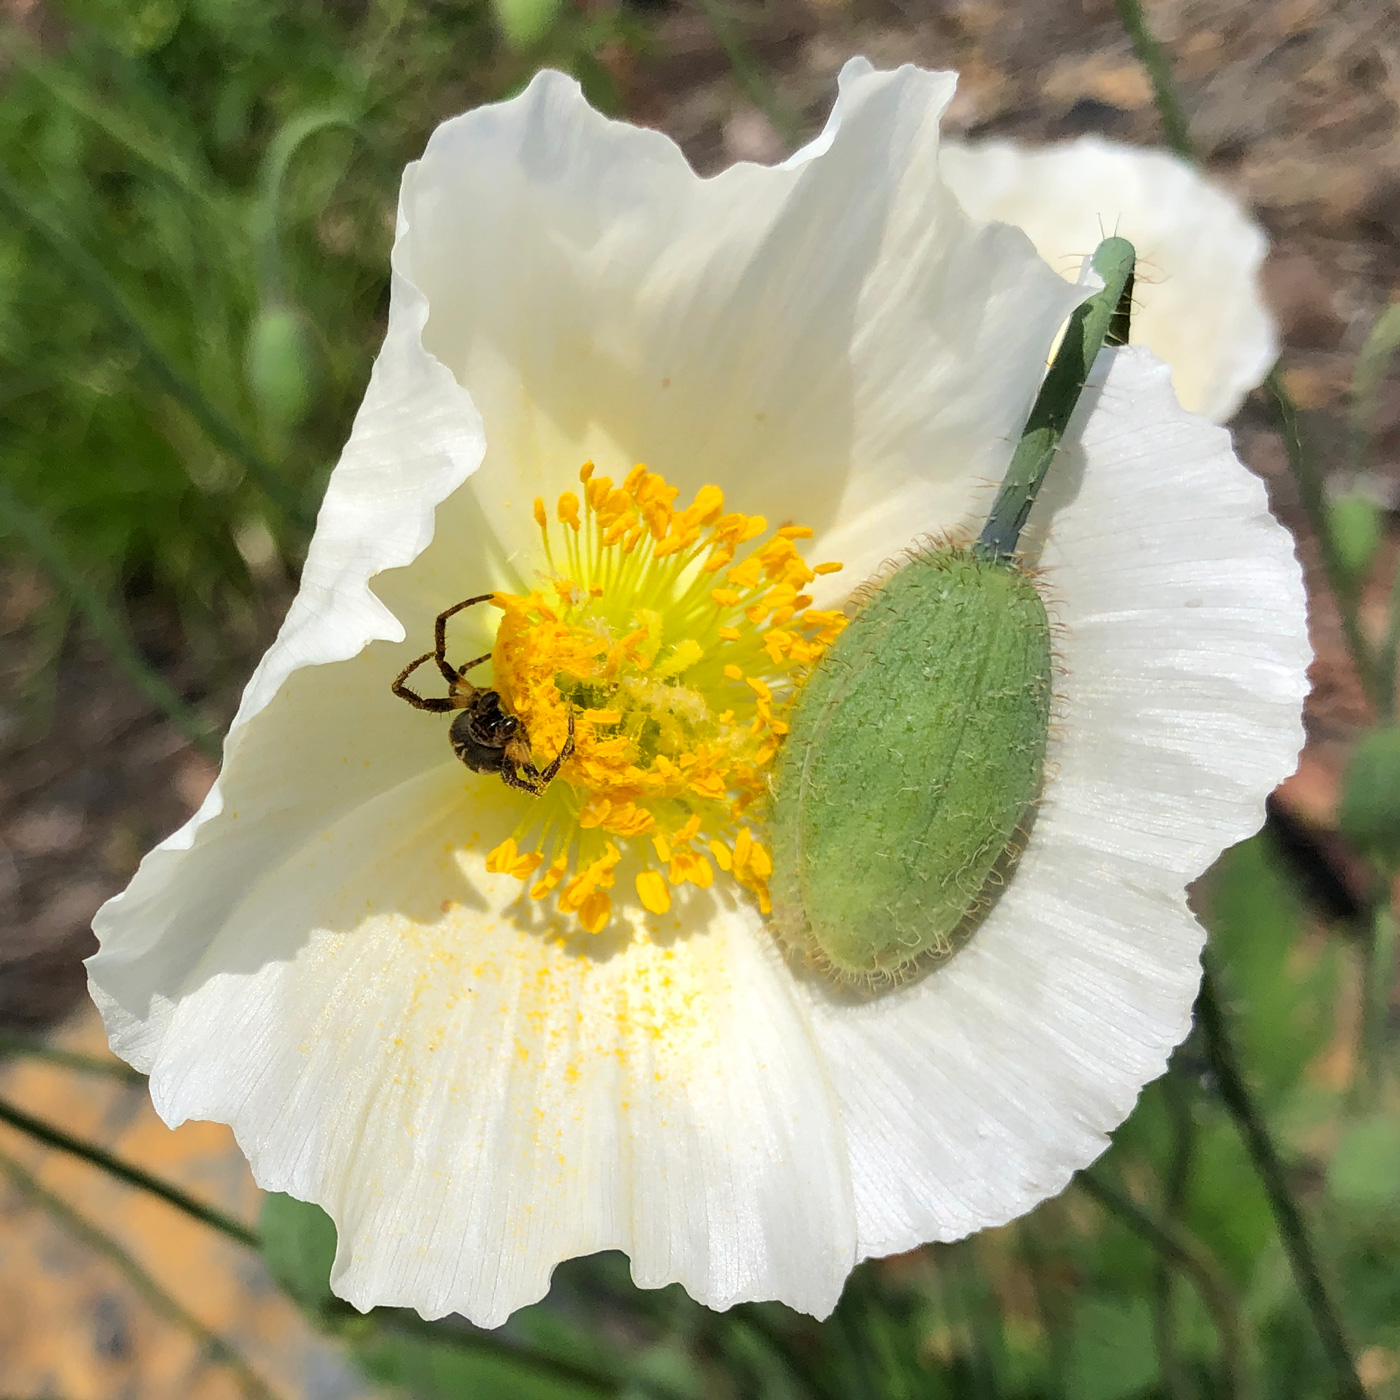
(515, 1098)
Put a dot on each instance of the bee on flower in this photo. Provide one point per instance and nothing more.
(640, 417)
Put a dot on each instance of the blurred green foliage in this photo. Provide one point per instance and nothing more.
(198, 202)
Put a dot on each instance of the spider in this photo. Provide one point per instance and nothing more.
(484, 736)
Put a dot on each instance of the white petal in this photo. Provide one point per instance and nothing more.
(473, 1095)
(974, 1093)
(326, 736)
(1198, 303)
(834, 337)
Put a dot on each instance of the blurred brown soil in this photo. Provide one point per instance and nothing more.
(1295, 106)
(71, 1323)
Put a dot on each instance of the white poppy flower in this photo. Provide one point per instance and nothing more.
(337, 954)
(1198, 305)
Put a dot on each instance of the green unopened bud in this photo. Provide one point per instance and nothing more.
(1354, 522)
(524, 23)
(1370, 815)
(280, 360)
(903, 784)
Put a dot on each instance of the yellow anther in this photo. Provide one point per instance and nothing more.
(568, 509)
(795, 532)
(585, 471)
(594, 912)
(723, 856)
(550, 878)
(652, 891)
(734, 673)
(827, 568)
(541, 519)
(634, 478)
(729, 634)
(708, 503)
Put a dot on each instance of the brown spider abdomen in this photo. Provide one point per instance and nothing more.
(481, 731)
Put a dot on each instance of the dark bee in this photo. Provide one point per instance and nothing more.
(485, 736)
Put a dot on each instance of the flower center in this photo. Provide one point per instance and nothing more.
(677, 643)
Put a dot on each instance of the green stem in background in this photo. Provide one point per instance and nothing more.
(106, 626)
(1175, 1187)
(54, 1137)
(1388, 658)
(1186, 1254)
(1310, 487)
(34, 1047)
(359, 1328)
(750, 74)
(1154, 59)
(159, 1300)
(1377, 980)
(1051, 1305)
(266, 217)
(1312, 494)
(1104, 315)
(1235, 1095)
(92, 278)
(1367, 376)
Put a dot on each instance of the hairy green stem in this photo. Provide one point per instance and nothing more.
(100, 1242)
(1186, 1254)
(34, 1048)
(106, 626)
(93, 279)
(1102, 320)
(54, 1137)
(1259, 1143)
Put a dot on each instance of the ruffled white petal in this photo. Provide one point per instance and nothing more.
(1199, 303)
(474, 1095)
(834, 337)
(974, 1093)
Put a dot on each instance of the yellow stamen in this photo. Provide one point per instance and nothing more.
(654, 639)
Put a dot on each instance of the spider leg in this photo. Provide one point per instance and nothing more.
(523, 778)
(436, 705)
(562, 757)
(439, 652)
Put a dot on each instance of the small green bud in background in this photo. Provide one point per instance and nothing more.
(524, 23)
(914, 754)
(1354, 521)
(281, 364)
(1370, 815)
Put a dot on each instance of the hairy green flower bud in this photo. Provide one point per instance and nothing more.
(915, 751)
